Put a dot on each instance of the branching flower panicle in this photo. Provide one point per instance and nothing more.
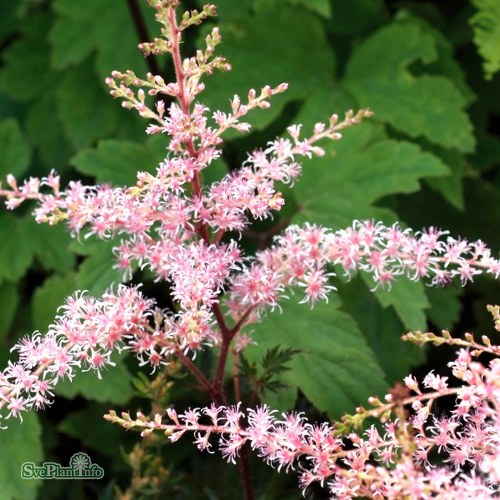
(188, 234)
(393, 463)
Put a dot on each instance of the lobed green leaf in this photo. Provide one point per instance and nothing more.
(486, 25)
(19, 444)
(116, 161)
(15, 152)
(418, 105)
(335, 369)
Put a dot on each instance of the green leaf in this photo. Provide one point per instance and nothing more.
(19, 443)
(335, 370)
(445, 306)
(101, 436)
(425, 105)
(275, 360)
(51, 141)
(357, 171)
(85, 110)
(87, 246)
(117, 24)
(285, 59)
(9, 300)
(116, 161)
(486, 25)
(16, 248)
(94, 25)
(25, 73)
(445, 64)
(73, 35)
(282, 400)
(356, 16)
(15, 152)
(49, 297)
(51, 249)
(451, 187)
(382, 329)
(96, 273)
(321, 7)
(386, 167)
(408, 299)
(115, 386)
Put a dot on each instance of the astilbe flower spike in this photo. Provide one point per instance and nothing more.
(186, 232)
(395, 463)
(300, 257)
(83, 337)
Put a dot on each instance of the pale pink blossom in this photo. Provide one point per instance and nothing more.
(369, 464)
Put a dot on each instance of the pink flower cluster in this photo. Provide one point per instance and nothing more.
(301, 255)
(163, 205)
(173, 225)
(394, 464)
(161, 223)
(169, 222)
(180, 229)
(203, 275)
(82, 337)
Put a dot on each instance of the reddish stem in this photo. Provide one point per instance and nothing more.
(244, 468)
(236, 376)
(237, 327)
(203, 381)
(215, 390)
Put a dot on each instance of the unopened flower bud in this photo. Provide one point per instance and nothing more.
(319, 127)
(11, 181)
(266, 91)
(243, 127)
(235, 103)
(411, 383)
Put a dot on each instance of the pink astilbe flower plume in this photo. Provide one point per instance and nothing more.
(188, 234)
(390, 464)
(83, 337)
(301, 255)
(173, 225)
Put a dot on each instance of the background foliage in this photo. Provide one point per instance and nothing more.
(429, 71)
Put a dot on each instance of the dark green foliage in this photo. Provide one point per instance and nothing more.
(264, 376)
(486, 25)
(430, 156)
